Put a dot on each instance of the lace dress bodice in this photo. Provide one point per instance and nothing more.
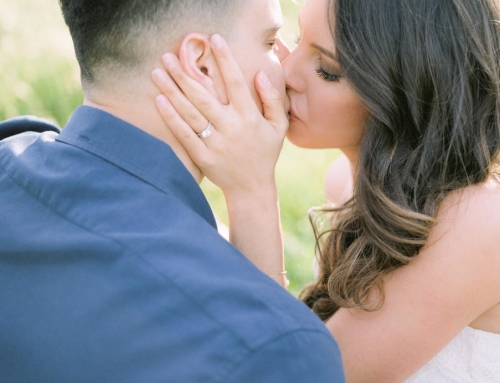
(472, 357)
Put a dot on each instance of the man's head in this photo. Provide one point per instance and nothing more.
(117, 41)
(122, 35)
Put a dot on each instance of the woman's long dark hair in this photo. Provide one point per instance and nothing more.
(428, 71)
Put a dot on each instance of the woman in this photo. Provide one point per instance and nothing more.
(409, 90)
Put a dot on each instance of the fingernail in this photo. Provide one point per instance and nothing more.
(162, 102)
(168, 60)
(217, 41)
(158, 76)
(264, 80)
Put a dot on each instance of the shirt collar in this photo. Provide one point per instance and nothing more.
(137, 152)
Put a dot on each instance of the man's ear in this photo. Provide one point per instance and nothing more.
(197, 60)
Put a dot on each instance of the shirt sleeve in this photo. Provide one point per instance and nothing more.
(302, 356)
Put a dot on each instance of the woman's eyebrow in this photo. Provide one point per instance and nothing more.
(326, 52)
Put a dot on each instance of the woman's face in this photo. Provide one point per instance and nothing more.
(325, 111)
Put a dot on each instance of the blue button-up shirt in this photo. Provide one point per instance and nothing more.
(111, 270)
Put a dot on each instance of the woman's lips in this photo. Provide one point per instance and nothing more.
(292, 116)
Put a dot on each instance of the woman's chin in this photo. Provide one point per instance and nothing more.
(304, 142)
(301, 138)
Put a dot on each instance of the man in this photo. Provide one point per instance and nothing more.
(111, 268)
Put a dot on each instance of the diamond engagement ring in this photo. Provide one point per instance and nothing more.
(206, 132)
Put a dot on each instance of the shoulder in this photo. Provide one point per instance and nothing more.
(24, 135)
(475, 208)
(466, 233)
(338, 181)
(13, 126)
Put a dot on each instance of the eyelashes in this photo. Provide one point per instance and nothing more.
(325, 76)
(328, 77)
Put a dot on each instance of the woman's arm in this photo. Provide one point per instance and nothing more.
(241, 154)
(454, 279)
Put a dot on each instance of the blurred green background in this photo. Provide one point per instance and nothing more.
(39, 76)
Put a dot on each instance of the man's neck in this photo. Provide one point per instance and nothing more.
(144, 115)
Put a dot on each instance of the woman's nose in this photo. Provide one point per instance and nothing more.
(282, 50)
(294, 78)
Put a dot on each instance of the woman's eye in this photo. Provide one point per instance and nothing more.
(327, 76)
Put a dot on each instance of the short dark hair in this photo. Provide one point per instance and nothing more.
(124, 33)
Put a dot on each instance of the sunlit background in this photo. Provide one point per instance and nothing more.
(39, 76)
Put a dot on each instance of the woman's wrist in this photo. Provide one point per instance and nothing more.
(281, 278)
(262, 198)
(255, 229)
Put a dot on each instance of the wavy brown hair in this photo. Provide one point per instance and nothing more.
(428, 73)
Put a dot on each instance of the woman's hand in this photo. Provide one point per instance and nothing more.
(239, 153)
(244, 146)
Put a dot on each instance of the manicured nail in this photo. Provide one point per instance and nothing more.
(162, 102)
(169, 60)
(158, 76)
(264, 80)
(217, 41)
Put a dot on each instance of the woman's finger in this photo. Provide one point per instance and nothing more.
(236, 86)
(193, 92)
(195, 146)
(274, 111)
(189, 113)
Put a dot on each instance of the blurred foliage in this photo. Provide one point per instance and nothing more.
(39, 72)
(40, 76)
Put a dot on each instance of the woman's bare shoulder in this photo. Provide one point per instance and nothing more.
(477, 205)
(338, 181)
(468, 222)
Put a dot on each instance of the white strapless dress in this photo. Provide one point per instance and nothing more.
(472, 357)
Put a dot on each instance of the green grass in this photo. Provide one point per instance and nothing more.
(39, 73)
(40, 76)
